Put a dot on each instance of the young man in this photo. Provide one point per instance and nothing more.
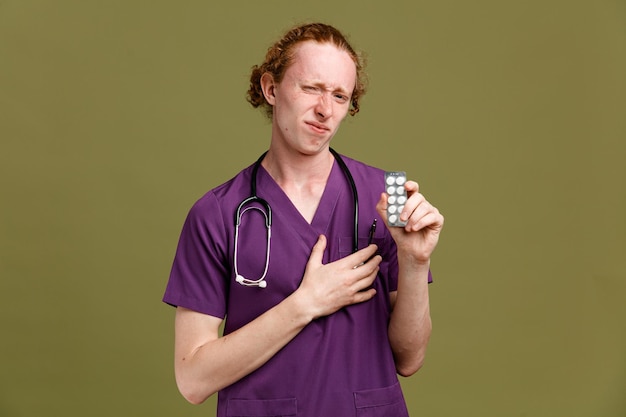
(317, 324)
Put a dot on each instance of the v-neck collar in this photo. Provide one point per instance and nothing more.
(283, 208)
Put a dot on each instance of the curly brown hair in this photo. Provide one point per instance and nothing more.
(280, 56)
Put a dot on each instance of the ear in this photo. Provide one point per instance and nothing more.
(268, 86)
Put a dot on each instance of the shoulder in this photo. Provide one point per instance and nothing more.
(221, 201)
(229, 192)
(367, 178)
(361, 167)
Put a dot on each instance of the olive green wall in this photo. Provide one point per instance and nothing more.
(115, 116)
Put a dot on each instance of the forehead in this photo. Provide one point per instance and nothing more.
(323, 63)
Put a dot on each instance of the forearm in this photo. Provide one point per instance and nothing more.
(410, 325)
(221, 361)
(206, 363)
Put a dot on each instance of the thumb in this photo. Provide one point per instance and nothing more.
(317, 253)
(381, 206)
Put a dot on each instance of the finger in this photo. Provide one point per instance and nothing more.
(363, 296)
(366, 282)
(415, 210)
(413, 202)
(369, 273)
(367, 268)
(381, 206)
(361, 257)
(317, 253)
(411, 187)
(430, 218)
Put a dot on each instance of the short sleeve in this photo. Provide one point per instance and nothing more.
(200, 274)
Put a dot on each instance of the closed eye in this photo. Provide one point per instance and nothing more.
(342, 98)
(338, 96)
(311, 89)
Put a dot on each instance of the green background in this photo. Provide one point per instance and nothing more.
(115, 116)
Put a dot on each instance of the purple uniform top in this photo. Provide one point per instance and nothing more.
(339, 365)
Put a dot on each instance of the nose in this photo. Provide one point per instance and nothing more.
(324, 107)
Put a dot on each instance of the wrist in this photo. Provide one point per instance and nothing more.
(302, 307)
(411, 259)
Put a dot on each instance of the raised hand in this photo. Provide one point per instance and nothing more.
(424, 223)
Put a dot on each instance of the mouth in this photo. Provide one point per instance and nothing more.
(318, 127)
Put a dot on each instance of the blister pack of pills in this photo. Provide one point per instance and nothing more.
(394, 187)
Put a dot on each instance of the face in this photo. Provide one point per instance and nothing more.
(312, 99)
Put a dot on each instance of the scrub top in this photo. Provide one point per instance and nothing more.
(338, 365)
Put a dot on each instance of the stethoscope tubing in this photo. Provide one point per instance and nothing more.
(260, 282)
(267, 213)
(355, 197)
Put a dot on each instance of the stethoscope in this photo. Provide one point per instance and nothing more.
(266, 210)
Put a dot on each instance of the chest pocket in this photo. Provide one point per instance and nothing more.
(345, 249)
(345, 244)
(262, 408)
(381, 402)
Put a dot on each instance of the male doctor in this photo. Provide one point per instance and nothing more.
(331, 328)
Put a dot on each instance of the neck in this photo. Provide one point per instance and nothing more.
(289, 169)
(301, 177)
